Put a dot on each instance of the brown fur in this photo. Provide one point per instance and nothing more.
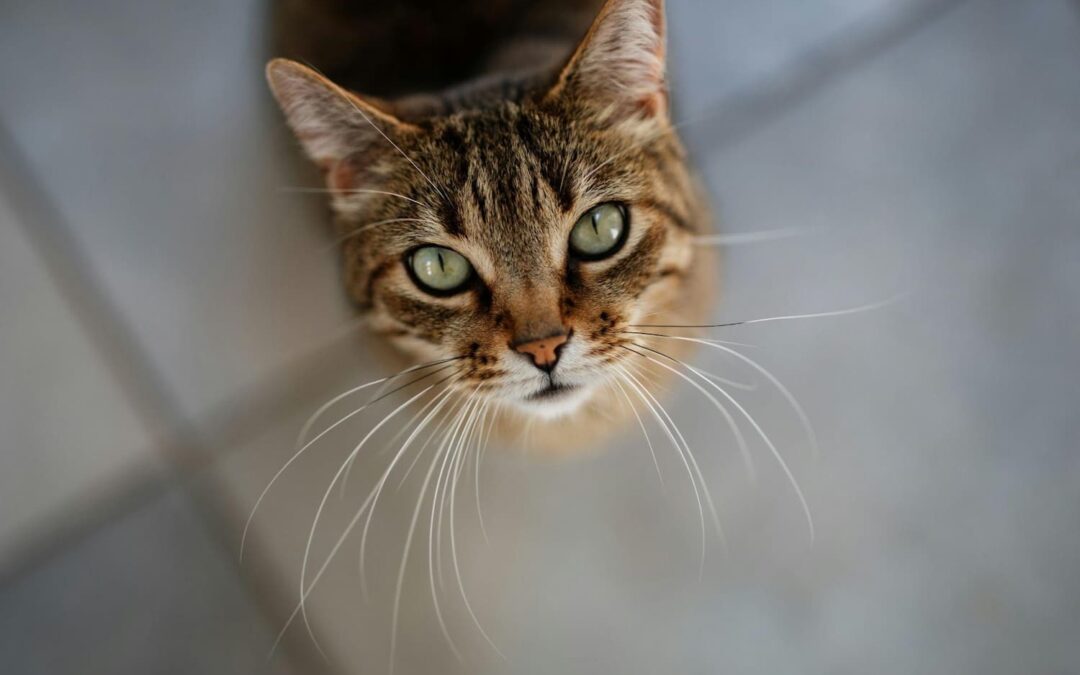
(499, 170)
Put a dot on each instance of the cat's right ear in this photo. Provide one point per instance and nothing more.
(332, 124)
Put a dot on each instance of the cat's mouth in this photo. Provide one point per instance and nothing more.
(553, 391)
(555, 400)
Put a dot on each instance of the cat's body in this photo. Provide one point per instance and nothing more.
(520, 223)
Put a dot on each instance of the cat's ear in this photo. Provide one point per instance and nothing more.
(618, 69)
(332, 124)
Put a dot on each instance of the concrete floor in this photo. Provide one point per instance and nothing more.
(172, 315)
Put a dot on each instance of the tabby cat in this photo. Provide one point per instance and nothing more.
(518, 226)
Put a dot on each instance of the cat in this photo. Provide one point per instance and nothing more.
(514, 232)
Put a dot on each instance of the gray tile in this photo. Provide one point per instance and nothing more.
(721, 48)
(69, 435)
(151, 127)
(946, 167)
(149, 593)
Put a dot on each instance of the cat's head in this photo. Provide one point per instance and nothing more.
(525, 232)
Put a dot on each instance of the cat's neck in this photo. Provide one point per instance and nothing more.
(416, 47)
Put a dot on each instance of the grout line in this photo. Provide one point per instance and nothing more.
(66, 263)
(134, 490)
(745, 112)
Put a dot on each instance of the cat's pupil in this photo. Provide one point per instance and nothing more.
(599, 232)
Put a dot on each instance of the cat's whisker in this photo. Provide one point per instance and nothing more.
(671, 432)
(440, 490)
(391, 443)
(326, 496)
(434, 545)
(768, 442)
(697, 471)
(740, 440)
(301, 449)
(479, 461)
(441, 398)
(398, 148)
(644, 432)
(790, 317)
(739, 238)
(378, 396)
(446, 419)
(326, 563)
(741, 386)
(654, 334)
(352, 191)
(450, 477)
(482, 427)
(369, 226)
(408, 546)
(800, 413)
(462, 457)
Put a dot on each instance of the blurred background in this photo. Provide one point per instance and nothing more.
(170, 314)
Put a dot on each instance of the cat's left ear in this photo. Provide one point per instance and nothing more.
(618, 69)
(341, 132)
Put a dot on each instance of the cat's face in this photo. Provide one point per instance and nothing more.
(521, 237)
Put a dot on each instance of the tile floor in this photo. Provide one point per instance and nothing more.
(923, 146)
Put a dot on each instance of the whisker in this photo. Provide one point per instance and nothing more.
(697, 470)
(311, 421)
(435, 544)
(653, 405)
(776, 453)
(368, 226)
(326, 563)
(651, 334)
(350, 191)
(389, 444)
(375, 399)
(738, 238)
(442, 397)
(405, 554)
(817, 315)
(447, 419)
(322, 505)
(455, 448)
(396, 147)
(804, 419)
(644, 432)
(479, 460)
(483, 428)
(463, 450)
(740, 440)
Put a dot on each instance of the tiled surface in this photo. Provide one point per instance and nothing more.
(941, 168)
(171, 169)
(149, 593)
(946, 494)
(68, 434)
(720, 48)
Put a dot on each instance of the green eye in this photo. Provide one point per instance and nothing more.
(599, 232)
(439, 270)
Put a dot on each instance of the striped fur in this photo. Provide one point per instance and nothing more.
(499, 170)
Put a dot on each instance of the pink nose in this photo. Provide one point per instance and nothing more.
(545, 352)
